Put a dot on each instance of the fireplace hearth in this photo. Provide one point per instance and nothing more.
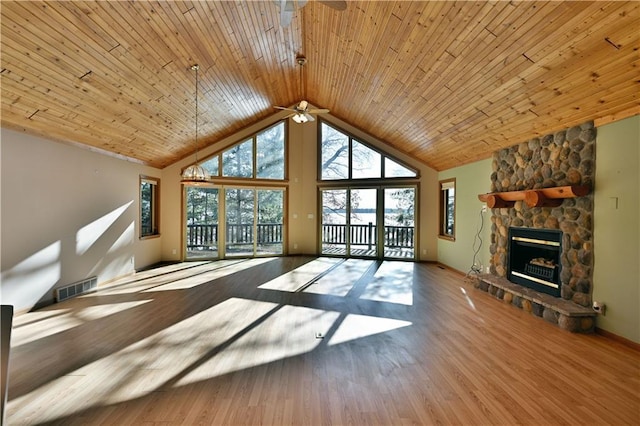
(534, 259)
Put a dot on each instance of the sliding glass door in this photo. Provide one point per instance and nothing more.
(399, 222)
(368, 222)
(270, 222)
(253, 222)
(201, 222)
(334, 215)
(239, 224)
(363, 234)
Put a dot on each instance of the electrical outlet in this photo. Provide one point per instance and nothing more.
(599, 307)
(295, 246)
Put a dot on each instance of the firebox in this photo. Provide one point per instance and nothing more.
(534, 259)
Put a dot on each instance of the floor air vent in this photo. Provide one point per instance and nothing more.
(75, 289)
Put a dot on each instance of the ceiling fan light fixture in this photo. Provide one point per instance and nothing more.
(195, 173)
(300, 118)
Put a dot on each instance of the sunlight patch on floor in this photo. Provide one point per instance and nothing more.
(169, 356)
(68, 390)
(302, 275)
(288, 331)
(341, 280)
(204, 278)
(392, 283)
(57, 321)
(358, 326)
(150, 279)
(69, 319)
(233, 335)
(469, 301)
(96, 312)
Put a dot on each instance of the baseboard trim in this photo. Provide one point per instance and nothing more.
(622, 340)
(454, 270)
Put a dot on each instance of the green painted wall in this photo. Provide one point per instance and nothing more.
(471, 180)
(616, 280)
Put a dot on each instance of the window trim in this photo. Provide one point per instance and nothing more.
(443, 187)
(155, 207)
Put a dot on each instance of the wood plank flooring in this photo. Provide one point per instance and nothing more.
(304, 340)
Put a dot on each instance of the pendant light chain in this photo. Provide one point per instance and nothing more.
(195, 174)
(196, 67)
(302, 61)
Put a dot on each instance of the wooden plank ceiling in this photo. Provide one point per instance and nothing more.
(446, 82)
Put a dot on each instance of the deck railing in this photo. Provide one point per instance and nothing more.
(205, 236)
(394, 236)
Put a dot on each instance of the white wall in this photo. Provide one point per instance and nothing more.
(616, 239)
(471, 180)
(67, 214)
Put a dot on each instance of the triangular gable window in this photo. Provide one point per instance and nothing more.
(342, 157)
(262, 156)
(394, 169)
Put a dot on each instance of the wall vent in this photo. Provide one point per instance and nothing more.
(75, 289)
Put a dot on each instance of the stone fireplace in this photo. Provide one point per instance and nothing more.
(563, 158)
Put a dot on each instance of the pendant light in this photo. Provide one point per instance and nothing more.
(195, 173)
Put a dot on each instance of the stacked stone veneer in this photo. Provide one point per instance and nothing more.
(563, 158)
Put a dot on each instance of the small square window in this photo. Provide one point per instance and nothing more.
(149, 206)
(448, 209)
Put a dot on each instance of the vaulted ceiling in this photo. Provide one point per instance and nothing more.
(446, 82)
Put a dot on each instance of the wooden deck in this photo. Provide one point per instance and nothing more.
(389, 253)
(300, 340)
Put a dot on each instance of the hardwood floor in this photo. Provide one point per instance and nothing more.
(304, 340)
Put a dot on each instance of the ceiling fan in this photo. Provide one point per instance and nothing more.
(301, 113)
(289, 7)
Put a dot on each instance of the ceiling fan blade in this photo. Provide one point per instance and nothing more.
(318, 111)
(285, 15)
(286, 109)
(335, 4)
(309, 117)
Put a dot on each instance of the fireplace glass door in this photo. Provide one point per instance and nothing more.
(534, 259)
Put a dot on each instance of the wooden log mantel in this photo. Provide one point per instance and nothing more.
(543, 197)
